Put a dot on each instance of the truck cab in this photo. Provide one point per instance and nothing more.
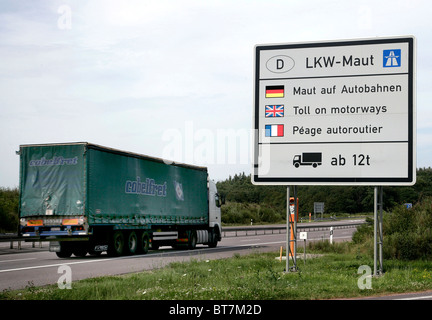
(215, 222)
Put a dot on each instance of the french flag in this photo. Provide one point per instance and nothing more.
(274, 130)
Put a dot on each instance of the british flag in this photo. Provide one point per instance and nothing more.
(274, 111)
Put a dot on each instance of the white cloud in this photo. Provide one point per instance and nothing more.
(127, 70)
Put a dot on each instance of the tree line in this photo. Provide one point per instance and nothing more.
(337, 199)
(246, 201)
(9, 199)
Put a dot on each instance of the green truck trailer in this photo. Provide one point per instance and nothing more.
(86, 199)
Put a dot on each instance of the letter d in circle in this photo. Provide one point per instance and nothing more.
(279, 64)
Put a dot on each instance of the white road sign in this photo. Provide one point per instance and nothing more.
(335, 112)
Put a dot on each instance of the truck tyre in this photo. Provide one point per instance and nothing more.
(132, 243)
(65, 251)
(64, 254)
(116, 246)
(213, 238)
(80, 252)
(145, 243)
(79, 248)
(192, 240)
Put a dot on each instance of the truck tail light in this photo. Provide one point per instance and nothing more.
(35, 223)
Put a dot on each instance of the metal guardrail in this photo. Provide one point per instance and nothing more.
(14, 238)
(245, 231)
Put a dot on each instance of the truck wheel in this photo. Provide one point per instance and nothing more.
(213, 239)
(115, 248)
(132, 243)
(145, 243)
(79, 249)
(80, 252)
(65, 251)
(64, 254)
(192, 240)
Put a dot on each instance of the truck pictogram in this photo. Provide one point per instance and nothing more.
(313, 159)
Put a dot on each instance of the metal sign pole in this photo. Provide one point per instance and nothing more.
(378, 231)
(288, 230)
(375, 231)
(291, 228)
(295, 230)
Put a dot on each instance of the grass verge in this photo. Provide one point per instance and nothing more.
(333, 275)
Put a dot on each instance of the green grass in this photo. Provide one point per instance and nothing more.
(254, 277)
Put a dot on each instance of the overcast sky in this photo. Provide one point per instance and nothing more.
(170, 78)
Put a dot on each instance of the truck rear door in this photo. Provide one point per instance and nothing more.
(52, 193)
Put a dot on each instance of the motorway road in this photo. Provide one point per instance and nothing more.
(37, 266)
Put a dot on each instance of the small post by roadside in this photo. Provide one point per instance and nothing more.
(331, 235)
(303, 236)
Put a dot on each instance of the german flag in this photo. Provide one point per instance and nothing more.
(274, 92)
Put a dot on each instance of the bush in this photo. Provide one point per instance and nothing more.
(407, 233)
(9, 199)
(242, 213)
(269, 215)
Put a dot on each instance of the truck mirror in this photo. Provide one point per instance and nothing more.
(222, 197)
(219, 199)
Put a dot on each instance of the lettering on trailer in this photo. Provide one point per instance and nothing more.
(55, 161)
(149, 187)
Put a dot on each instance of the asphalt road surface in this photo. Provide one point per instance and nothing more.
(37, 266)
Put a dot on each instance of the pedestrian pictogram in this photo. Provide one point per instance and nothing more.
(391, 58)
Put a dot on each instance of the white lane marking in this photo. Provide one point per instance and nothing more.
(247, 240)
(52, 265)
(416, 298)
(67, 262)
(18, 260)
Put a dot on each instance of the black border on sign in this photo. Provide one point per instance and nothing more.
(346, 180)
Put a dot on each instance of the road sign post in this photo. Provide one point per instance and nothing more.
(378, 231)
(291, 242)
(318, 208)
(335, 113)
(340, 113)
(303, 236)
(331, 235)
